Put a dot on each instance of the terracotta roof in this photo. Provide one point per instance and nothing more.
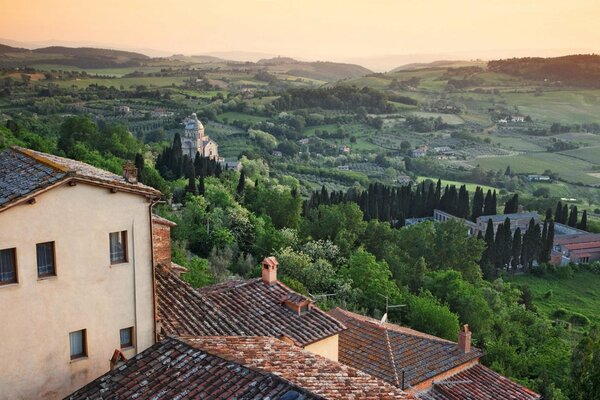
(24, 172)
(580, 246)
(173, 369)
(577, 238)
(477, 383)
(302, 368)
(386, 350)
(246, 308)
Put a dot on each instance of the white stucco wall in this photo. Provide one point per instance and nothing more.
(36, 316)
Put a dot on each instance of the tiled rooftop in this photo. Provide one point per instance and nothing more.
(386, 350)
(477, 383)
(502, 217)
(311, 372)
(24, 171)
(173, 369)
(246, 308)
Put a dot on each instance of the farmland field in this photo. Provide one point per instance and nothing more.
(581, 293)
(568, 168)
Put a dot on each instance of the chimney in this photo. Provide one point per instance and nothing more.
(269, 270)
(130, 172)
(161, 241)
(464, 339)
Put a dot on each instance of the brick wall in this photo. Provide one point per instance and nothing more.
(161, 241)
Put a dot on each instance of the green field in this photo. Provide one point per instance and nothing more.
(450, 119)
(235, 116)
(569, 168)
(589, 154)
(125, 82)
(581, 293)
(115, 72)
(470, 186)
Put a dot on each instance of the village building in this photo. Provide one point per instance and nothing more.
(423, 365)
(76, 272)
(576, 248)
(442, 216)
(538, 178)
(420, 151)
(255, 307)
(194, 140)
(517, 220)
(344, 149)
(235, 367)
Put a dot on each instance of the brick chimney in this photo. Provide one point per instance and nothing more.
(130, 172)
(269, 270)
(464, 339)
(161, 241)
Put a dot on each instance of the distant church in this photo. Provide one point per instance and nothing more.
(194, 140)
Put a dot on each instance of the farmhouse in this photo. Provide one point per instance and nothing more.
(538, 178)
(76, 272)
(576, 248)
(420, 151)
(195, 141)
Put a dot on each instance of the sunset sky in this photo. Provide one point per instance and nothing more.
(311, 29)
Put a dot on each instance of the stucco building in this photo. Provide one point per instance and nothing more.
(194, 140)
(76, 272)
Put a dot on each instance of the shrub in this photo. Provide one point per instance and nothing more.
(579, 319)
(560, 313)
(548, 294)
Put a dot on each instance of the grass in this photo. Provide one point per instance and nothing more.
(114, 72)
(569, 168)
(580, 294)
(233, 116)
(470, 186)
(125, 82)
(450, 119)
(589, 154)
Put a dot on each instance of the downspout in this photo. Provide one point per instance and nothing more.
(135, 318)
(154, 297)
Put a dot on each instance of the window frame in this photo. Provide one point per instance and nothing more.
(124, 238)
(131, 342)
(53, 273)
(84, 349)
(15, 268)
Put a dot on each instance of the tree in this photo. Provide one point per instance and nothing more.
(585, 367)
(565, 214)
(583, 222)
(241, 184)
(201, 187)
(573, 217)
(463, 203)
(508, 172)
(139, 164)
(558, 213)
(489, 207)
(477, 208)
(516, 249)
(512, 205)
(427, 314)
(191, 175)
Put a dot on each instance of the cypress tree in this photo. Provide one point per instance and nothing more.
(494, 203)
(544, 255)
(548, 214)
(201, 188)
(573, 217)
(506, 243)
(139, 164)
(463, 203)
(241, 184)
(512, 205)
(583, 223)
(508, 172)
(488, 206)
(558, 213)
(191, 187)
(477, 208)
(565, 214)
(516, 249)
(499, 246)
(490, 251)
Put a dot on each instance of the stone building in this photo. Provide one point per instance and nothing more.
(194, 140)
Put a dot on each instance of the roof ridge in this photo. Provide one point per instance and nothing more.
(391, 354)
(37, 156)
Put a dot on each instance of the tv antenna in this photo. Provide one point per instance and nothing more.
(388, 307)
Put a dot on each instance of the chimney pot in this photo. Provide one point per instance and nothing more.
(464, 339)
(269, 270)
(130, 172)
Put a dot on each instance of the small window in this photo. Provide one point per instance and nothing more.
(78, 344)
(118, 247)
(126, 337)
(8, 266)
(45, 259)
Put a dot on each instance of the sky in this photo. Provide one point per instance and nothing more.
(311, 29)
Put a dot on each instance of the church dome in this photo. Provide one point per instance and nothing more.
(193, 123)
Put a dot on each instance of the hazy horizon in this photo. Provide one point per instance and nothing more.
(376, 34)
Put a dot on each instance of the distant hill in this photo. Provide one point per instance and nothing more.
(434, 64)
(577, 70)
(196, 58)
(276, 61)
(82, 57)
(326, 71)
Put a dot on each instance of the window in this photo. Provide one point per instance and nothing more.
(126, 337)
(77, 341)
(118, 247)
(45, 259)
(8, 266)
